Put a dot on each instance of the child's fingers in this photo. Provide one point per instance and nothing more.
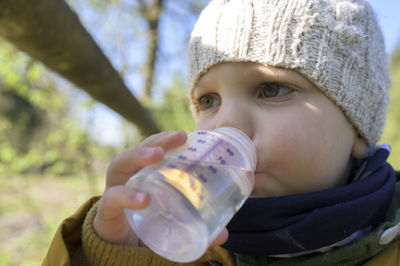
(110, 222)
(116, 198)
(221, 238)
(150, 151)
(128, 162)
(167, 140)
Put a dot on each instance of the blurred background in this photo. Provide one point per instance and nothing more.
(82, 80)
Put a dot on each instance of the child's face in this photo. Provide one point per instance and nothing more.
(304, 142)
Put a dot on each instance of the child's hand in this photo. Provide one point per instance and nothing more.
(110, 222)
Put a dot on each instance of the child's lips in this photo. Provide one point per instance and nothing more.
(257, 174)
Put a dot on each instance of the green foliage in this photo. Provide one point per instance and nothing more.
(391, 133)
(395, 60)
(21, 117)
(36, 133)
(174, 111)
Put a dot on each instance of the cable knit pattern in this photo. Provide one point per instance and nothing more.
(337, 44)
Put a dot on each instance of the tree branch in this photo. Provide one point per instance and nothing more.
(49, 31)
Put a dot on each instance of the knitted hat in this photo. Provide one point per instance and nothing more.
(337, 44)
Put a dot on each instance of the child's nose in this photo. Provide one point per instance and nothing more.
(237, 115)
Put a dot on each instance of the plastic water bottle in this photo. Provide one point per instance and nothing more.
(194, 191)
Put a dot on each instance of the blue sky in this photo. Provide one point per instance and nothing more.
(388, 15)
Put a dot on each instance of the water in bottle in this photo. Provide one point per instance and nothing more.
(194, 191)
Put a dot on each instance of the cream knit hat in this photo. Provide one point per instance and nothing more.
(337, 44)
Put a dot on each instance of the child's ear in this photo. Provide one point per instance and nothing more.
(360, 147)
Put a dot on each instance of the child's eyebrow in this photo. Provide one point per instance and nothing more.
(197, 89)
(274, 72)
(286, 75)
(201, 84)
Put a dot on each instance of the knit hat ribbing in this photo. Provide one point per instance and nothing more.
(337, 44)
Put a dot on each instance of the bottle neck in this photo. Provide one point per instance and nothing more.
(243, 142)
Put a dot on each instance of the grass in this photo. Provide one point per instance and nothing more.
(31, 210)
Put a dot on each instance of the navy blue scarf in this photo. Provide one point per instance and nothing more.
(310, 221)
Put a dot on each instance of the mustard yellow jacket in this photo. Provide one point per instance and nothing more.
(76, 243)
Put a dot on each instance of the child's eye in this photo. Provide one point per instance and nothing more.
(207, 101)
(272, 89)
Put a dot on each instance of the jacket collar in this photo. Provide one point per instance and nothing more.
(356, 253)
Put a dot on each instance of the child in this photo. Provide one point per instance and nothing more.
(307, 81)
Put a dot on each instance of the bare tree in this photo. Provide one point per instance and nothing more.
(49, 31)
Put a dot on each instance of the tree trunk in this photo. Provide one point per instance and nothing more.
(49, 31)
(151, 13)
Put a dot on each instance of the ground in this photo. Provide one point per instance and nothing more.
(31, 209)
